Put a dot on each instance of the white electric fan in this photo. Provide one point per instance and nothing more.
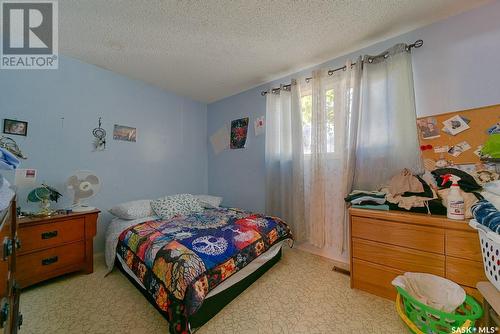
(84, 184)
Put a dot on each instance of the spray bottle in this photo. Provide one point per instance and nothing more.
(456, 206)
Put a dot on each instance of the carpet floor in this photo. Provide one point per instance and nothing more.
(301, 294)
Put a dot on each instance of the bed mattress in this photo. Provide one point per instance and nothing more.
(237, 277)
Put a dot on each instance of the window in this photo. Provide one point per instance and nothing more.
(306, 106)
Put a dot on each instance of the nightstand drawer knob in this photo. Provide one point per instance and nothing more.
(49, 260)
(49, 235)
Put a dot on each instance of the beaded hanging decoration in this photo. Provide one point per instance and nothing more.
(100, 137)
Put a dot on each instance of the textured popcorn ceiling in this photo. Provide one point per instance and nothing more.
(210, 49)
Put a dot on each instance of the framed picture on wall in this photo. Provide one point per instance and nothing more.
(15, 127)
(125, 133)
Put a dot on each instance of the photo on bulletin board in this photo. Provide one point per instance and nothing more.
(455, 125)
(428, 128)
(239, 131)
(15, 127)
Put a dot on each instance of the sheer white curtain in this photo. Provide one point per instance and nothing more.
(285, 159)
(330, 166)
(352, 129)
(387, 134)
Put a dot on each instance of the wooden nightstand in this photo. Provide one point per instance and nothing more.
(54, 246)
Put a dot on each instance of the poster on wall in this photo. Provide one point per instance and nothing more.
(25, 178)
(239, 131)
(259, 126)
(125, 133)
(220, 139)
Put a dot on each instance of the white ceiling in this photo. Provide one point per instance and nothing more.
(210, 49)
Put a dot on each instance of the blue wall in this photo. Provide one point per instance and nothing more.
(456, 69)
(170, 155)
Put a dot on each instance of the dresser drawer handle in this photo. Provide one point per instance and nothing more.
(7, 248)
(49, 235)
(49, 260)
(4, 312)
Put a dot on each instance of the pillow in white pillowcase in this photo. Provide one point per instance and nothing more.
(208, 201)
(133, 209)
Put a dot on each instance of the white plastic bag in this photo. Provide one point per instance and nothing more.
(431, 290)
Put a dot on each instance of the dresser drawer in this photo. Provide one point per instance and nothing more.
(463, 244)
(374, 278)
(42, 236)
(464, 272)
(425, 238)
(42, 263)
(396, 257)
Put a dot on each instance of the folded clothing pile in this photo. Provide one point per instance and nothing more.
(469, 187)
(367, 200)
(487, 214)
(467, 182)
(409, 192)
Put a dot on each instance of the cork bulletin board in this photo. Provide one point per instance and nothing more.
(474, 133)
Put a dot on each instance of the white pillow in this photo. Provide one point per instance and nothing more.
(133, 209)
(181, 204)
(208, 201)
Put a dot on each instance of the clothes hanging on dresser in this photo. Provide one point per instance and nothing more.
(8, 161)
(6, 193)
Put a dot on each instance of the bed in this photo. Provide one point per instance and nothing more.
(191, 266)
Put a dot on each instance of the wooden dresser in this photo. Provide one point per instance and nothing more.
(385, 244)
(10, 318)
(55, 245)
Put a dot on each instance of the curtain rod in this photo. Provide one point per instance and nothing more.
(418, 43)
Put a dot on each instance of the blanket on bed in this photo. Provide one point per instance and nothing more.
(180, 260)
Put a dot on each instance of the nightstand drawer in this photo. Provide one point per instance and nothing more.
(42, 236)
(41, 264)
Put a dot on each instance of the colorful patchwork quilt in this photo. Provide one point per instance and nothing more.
(180, 260)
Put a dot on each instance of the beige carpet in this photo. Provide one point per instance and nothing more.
(301, 294)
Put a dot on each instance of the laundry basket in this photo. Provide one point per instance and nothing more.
(422, 319)
(490, 248)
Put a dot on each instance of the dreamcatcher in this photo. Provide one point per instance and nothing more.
(10, 145)
(100, 137)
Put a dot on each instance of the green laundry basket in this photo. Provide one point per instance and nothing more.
(421, 318)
